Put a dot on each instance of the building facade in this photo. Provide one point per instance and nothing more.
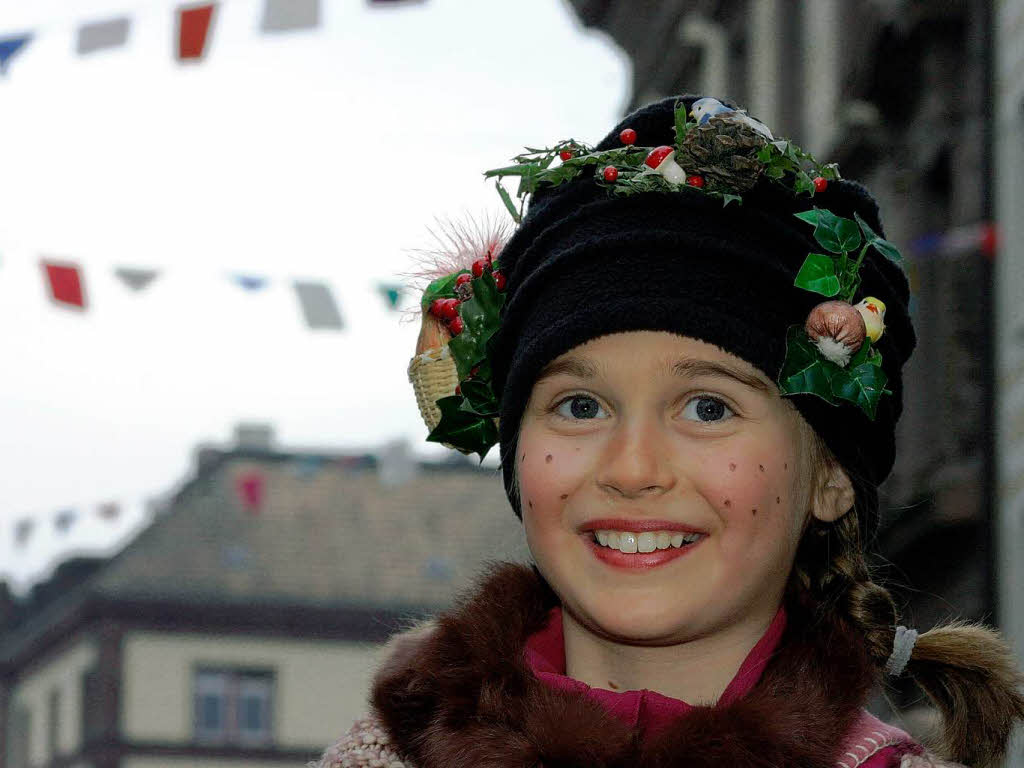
(242, 626)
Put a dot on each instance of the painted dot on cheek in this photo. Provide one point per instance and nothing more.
(786, 465)
(728, 503)
(547, 459)
(732, 467)
(778, 500)
(531, 503)
(753, 512)
(564, 496)
(761, 467)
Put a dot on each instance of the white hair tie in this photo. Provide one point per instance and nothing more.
(902, 647)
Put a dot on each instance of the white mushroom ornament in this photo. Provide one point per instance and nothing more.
(838, 328)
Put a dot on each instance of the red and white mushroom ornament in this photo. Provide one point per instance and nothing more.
(663, 160)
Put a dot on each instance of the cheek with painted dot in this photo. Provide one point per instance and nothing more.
(548, 475)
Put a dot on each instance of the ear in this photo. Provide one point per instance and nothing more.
(834, 495)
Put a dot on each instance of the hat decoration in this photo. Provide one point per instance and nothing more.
(723, 153)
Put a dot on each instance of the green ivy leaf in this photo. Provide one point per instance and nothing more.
(467, 432)
(811, 216)
(680, 118)
(804, 369)
(818, 274)
(835, 233)
(862, 386)
(480, 319)
(880, 244)
(728, 198)
(803, 183)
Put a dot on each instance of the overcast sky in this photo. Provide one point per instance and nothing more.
(322, 154)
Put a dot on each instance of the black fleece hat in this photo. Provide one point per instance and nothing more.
(584, 264)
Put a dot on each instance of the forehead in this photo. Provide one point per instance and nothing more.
(654, 352)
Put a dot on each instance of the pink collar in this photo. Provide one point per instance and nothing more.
(647, 710)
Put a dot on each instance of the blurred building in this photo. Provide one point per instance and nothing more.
(899, 93)
(1009, 321)
(241, 627)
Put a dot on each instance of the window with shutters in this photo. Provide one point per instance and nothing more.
(233, 706)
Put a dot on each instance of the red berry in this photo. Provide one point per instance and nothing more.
(462, 279)
(565, 154)
(820, 183)
(474, 370)
(499, 280)
(611, 173)
(657, 155)
(628, 136)
(446, 309)
(695, 180)
(478, 266)
(455, 326)
(458, 390)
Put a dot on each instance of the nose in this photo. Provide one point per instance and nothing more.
(637, 460)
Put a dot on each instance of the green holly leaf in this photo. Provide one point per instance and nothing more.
(804, 369)
(480, 320)
(862, 386)
(680, 118)
(728, 198)
(818, 274)
(442, 288)
(467, 432)
(478, 398)
(880, 244)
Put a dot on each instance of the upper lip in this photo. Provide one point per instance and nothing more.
(637, 526)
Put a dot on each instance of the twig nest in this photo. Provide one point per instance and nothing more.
(837, 329)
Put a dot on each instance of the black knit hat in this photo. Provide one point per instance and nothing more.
(584, 263)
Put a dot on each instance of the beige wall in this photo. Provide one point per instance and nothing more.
(320, 687)
(195, 762)
(62, 672)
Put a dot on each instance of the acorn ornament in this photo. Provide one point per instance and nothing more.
(838, 328)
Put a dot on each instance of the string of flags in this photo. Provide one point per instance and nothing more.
(63, 521)
(65, 285)
(195, 24)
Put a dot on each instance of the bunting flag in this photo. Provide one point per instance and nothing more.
(64, 520)
(96, 36)
(318, 305)
(286, 15)
(65, 283)
(9, 47)
(392, 293)
(250, 282)
(249, 487)
(136, 278)
(194, 23)
(110, 510)
(23, 531)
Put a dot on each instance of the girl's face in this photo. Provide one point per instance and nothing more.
(652, 431)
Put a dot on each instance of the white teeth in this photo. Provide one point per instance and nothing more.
(648, 541)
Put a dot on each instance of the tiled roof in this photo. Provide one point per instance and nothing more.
(327, 532)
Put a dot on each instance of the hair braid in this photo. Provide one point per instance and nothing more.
(967, 670)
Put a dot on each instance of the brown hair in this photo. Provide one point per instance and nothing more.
(966, 669)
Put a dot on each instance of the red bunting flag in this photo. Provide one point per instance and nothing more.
(250, 486)
(193, 28)
(65, 283)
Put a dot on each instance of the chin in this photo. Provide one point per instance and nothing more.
(647, 620)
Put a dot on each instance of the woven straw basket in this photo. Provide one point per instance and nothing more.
(433, 375)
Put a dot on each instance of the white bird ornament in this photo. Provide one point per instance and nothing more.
(706, 108)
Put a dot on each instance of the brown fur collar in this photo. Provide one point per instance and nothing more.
(460, 696)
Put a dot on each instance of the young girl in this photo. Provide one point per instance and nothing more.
(690, 350)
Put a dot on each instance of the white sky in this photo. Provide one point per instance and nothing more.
(319, 154)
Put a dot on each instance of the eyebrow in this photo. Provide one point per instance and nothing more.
(582, 368)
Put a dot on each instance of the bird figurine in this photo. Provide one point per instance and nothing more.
(873, 312)
(704, 109)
